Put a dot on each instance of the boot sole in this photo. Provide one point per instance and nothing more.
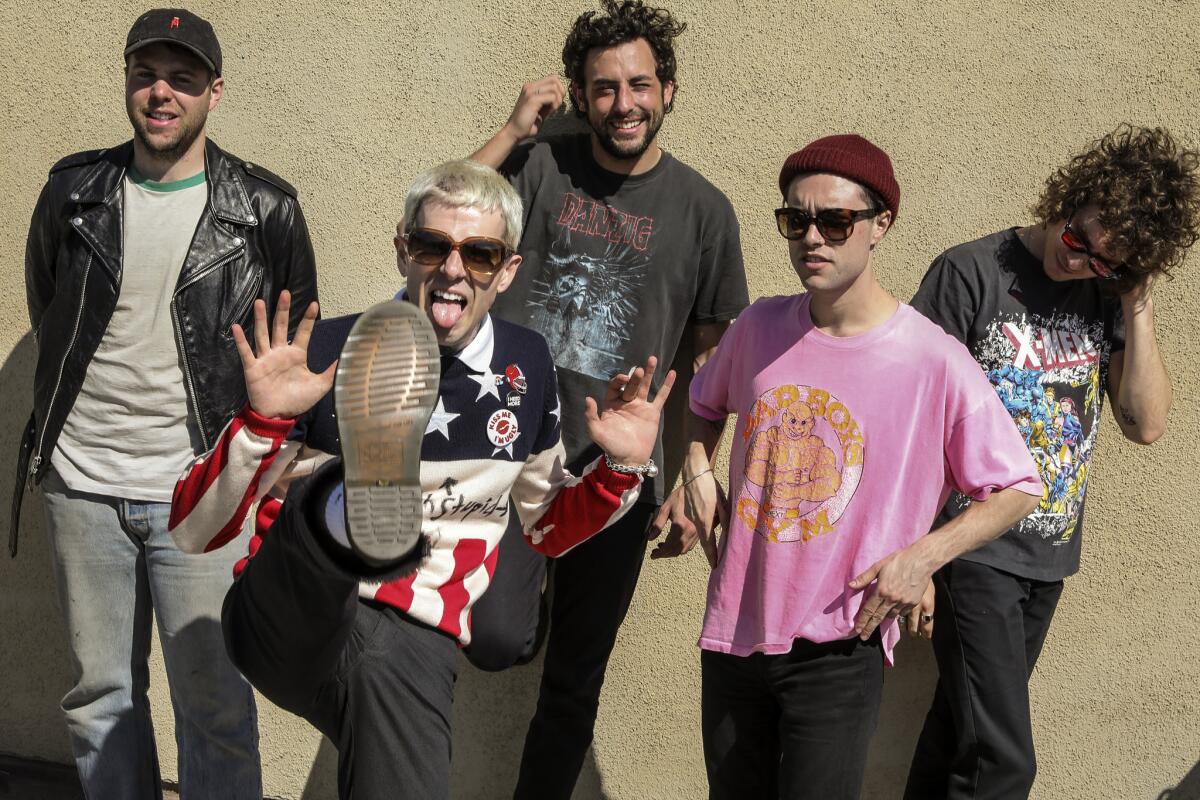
(385, 391)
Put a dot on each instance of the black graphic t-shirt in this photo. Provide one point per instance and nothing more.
(614, 268)
(1045, 346)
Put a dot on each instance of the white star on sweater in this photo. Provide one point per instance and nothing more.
(557, 412)
(507, 449)
(487, 384)
(440, 421)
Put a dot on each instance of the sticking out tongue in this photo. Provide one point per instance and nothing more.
(446, 312)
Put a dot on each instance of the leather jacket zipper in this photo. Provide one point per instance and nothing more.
(243, 305)
(37, 454)
(188, 382)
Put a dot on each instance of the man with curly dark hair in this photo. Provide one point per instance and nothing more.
(1056, 313)
(627, 251)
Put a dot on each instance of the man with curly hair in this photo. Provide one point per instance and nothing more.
(1066, 304)
(628, 252)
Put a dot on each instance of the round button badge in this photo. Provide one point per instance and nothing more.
(502, 428)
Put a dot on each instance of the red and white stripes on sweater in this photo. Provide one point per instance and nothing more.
(466, 511)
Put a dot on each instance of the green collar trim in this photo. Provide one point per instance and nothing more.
(168, 186)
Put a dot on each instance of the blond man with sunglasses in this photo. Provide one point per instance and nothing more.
(350, 611)
(1055, 313)
(855, 418)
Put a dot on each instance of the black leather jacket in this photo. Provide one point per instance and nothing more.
(251, 241)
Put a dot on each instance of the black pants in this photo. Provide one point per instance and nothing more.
(378, 684)
(510, 621)
(977, 742)
(790, 726)
(592, 588)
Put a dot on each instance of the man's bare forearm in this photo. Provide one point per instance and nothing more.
(703, 436)
(705, 338)
(1142, 395)
(980, 523)
(497, 149)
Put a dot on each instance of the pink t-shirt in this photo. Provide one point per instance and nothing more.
(845, 448)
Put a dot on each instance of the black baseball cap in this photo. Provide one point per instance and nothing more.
(176, 26)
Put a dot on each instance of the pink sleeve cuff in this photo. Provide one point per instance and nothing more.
(701, 410)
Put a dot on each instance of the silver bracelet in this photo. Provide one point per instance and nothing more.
(648, 470)
(694, 477)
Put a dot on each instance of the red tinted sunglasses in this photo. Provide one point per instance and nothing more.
(1072, 239)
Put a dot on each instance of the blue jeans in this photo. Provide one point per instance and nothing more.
(114, 562)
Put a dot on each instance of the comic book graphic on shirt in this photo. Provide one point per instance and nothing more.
(804, 460)
(1049, 373)
(588, 295)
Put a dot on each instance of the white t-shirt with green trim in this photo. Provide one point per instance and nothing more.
(128, 433)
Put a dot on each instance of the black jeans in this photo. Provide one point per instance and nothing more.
(592, 588)
(977, 742)
(510, 621)
(790, 726)
(378, 684)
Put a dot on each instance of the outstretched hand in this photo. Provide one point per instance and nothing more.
(278, 381)
(627, 428)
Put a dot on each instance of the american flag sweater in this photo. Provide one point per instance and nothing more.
(494, 435)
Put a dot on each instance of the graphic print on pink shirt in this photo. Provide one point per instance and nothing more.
(804, 461)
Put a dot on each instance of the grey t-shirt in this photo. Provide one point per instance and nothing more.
(1045, 346)
(127, 434)
(615, 267)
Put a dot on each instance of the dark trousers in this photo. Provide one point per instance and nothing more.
(592, 588)
(379, 685)
(790, 726)
(509, 622)
(977, 742)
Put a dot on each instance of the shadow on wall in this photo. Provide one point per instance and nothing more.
(31, 628)
(907, 694)
(491, 715)
(1188, 788)
(563, 123)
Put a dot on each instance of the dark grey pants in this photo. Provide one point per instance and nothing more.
(793, 726)
(977, 743)
(377, 683)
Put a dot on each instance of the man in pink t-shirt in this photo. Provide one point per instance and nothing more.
(856, 417)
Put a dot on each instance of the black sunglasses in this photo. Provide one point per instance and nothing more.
(480, 254)
(834, 224)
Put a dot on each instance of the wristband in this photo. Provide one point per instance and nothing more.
(647, 470)
(694, 477)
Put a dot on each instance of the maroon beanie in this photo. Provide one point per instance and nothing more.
(850, 156)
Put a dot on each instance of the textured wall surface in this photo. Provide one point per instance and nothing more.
(975, 102)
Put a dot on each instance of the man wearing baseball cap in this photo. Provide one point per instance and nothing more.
(855, 418)
(140, 257)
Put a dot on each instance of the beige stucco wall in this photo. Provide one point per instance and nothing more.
(976, 102)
